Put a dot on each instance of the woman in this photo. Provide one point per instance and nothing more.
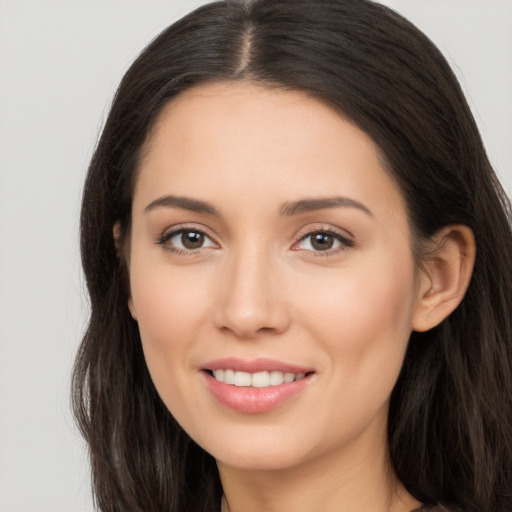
(299, 263)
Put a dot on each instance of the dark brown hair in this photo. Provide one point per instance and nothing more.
(450, 432)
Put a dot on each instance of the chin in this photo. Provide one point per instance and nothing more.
(255, 451)
(260, 461)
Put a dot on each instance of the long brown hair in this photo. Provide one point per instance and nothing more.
(450, 420)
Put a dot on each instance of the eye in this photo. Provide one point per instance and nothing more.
(186, 240)
(323, 241)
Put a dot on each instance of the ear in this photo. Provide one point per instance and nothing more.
(445, 276)
(116, 232)
(131, 307)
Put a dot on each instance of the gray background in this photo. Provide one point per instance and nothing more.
(60, 62)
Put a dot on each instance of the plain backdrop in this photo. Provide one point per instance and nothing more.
(60, 62)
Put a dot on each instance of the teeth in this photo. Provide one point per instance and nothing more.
(229, 377)
(277, 378)
(289, 377)
(256, 380)
(260, 380)
(242, 379)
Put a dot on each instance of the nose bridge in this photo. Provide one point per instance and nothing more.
(251, 302)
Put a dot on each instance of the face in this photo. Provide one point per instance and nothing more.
(271, 276)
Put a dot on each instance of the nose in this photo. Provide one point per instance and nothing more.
(252, 301)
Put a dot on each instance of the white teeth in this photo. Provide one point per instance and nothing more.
(229, 377)
(276, 378)
(256, 380)
(289, 377)
(260, 380)
(242, 379)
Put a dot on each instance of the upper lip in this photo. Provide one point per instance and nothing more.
(254, 365)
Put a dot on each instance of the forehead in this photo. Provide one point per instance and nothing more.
(230, 140)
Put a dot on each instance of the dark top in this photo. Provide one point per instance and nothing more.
(425, 508)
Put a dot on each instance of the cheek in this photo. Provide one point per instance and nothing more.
(380, 306)
(171, 311)
(169, 301)
(363, 321)
(166, 343)
(376, 297)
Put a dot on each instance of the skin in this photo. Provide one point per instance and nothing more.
(257, 287)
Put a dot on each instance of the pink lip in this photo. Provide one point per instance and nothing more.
(253, 366)
(254, 400)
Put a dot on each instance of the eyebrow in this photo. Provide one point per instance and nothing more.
(183, 203)
(287, 210)
(309, 205)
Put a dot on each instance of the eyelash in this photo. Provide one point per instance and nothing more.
(169, 235)
(344, 242)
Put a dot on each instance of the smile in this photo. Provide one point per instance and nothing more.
(255, 386)
(256, 380)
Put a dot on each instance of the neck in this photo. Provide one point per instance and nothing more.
(355, 479)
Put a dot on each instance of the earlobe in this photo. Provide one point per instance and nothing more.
(446, 276)
(131, 307)
(116, 233)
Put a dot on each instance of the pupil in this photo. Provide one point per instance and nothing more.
(322, 242)
(192, 240)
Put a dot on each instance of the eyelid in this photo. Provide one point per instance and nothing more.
(345, 238)
(171, 231)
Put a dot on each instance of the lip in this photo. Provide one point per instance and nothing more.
(255, 365)
(250, 400)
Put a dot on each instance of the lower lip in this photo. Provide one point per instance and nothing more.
(254, 400)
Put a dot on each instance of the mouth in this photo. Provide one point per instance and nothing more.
(255, 386)
(263, 379)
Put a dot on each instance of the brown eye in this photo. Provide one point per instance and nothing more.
(183, 240)
(192, 239)
(322, 241)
